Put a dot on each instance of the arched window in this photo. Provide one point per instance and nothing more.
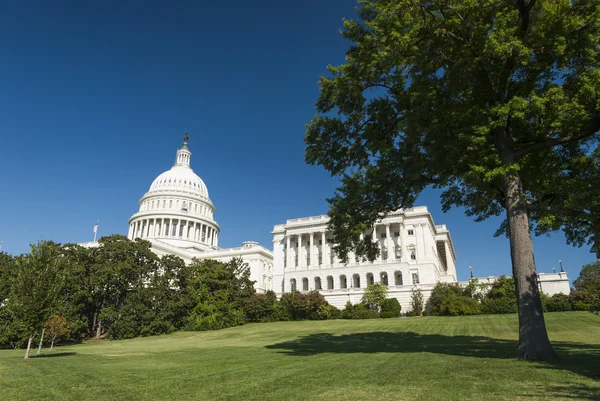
(383, 277)
(329, 283)
(398, 278)
(318, 283)
(370, 279)
(343, 281)
(356, 281)
(304, 284)
(293, 284)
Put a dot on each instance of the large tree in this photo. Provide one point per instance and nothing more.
(495, 101)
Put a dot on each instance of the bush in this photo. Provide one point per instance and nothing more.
(499, 305)
(458, 305)
(558, 303)
(261, 308)
(411, 313)
(426, 313)
(305, 306)
(582, 300)
(390, 307)
(359, 311)
(440, 293)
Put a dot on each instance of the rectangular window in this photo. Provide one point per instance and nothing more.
(396, 233)
(383, 236)
(413, 255)
(415, 278)
(411, 232)
(320, 242)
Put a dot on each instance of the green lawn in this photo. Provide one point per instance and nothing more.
(460, 358)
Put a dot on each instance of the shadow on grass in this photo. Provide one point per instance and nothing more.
(54, 355)
(582, 359)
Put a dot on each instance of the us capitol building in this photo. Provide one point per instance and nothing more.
(177, 216)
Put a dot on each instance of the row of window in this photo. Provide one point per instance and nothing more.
(397, 233)
(384, 256)
(355, 283)
(177, 205)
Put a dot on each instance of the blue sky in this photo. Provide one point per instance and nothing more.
(96, 96)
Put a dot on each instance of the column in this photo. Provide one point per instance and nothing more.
(288, 253)
(389, 243)
(216, 238)
(311, 250)
(405, 257)
(166, 222)
(299, 252)
(324, 255)
(148, 228)
(130, 231)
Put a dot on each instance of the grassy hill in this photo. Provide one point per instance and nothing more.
(434, 358)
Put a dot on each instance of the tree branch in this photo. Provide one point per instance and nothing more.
(551, 142)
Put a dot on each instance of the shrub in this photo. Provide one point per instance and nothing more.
(305, 306)
(411, 313)
(458, 305)
(391, 307)
(359, 311)
(559, 303)
(582, 300)
(426, 313)
(499, 305)
(261, 308)
(416, 301)
(441, 292)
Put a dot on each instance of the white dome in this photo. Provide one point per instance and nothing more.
(177, 211)
(181, 179)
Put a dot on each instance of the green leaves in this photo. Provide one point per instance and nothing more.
(459, 95)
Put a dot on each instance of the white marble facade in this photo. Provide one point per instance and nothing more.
(177, 216)
(414, 253)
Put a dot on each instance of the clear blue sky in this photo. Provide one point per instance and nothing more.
(95, 99)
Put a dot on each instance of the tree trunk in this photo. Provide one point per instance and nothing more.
(533, 338)
(99, 330)
(28, 346)
(52, 344)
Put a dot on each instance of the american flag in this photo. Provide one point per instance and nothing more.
(96, 228)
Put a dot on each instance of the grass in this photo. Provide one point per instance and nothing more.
(461, 358)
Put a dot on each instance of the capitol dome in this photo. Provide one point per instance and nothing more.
(177, 209)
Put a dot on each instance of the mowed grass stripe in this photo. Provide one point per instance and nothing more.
(434, 358)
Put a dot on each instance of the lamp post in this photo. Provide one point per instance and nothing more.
(471, 271)
(561, 267)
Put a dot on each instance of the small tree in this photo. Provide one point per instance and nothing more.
(375, 294)
(416, 301)
(35, 288)
(56, 327)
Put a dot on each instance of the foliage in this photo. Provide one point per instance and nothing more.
(501, 297)
(56, 327)
(218, 292)
(499, 305)
(589, 279)
(262, 308)
(476, 290)
(582, 300)
(459, 306)
(375, 294)
(35, 288)
(358, 311)
(390, 307)
(305, 306)
(416, 302)
(439, 293)
(558, 303)
(494, 103)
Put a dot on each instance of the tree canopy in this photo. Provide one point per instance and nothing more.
(497, 102)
